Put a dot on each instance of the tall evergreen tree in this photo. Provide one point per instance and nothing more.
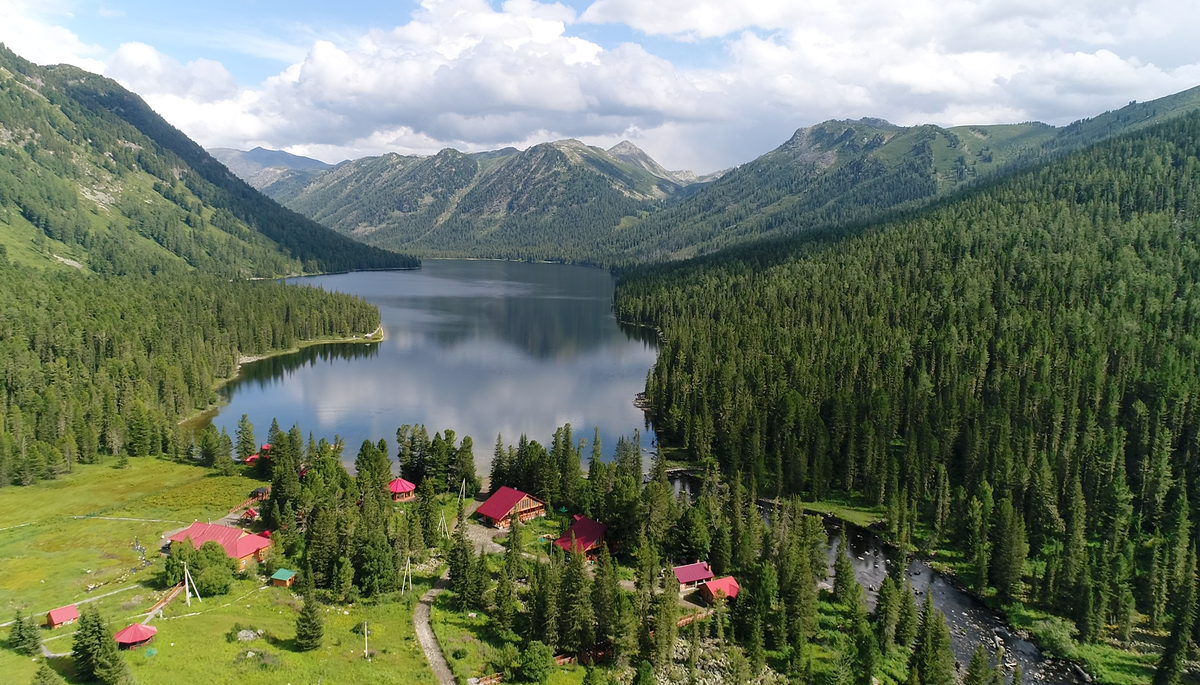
(310, 626)
(1170, 666)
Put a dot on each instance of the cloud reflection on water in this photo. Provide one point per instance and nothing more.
(479, 347)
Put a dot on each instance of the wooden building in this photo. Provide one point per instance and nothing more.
(726, 587)
(62, 616)
(283, 578)
(691, 575)
(507, 502)
(134, 636)
(238, 544)
(402, 490)
(587, 534)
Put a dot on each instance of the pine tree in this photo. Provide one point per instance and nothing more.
(575, 608)
(500, 466)
(89, 641)
(427, 511)
(46, 676)
(908, 619)
(24, 636)
(246, 444)
(867, 656)
(605, 595)
(979, 671)
(977, 553)
(1170, 666)
(846, 589)
(666, 618)
(310, 626)
(1009, 552)
(887, 614)
(504, 602)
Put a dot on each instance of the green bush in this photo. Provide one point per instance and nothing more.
(1055, 636)
(537, 662)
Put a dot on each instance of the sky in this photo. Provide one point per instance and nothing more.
(699, 84)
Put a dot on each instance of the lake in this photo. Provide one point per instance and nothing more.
(480, 347)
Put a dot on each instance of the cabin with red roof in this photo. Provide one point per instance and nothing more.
(62, 616)
(239, 545)
(691, 575)
(588, 535)
(507, 502)
(402, 490)
(726, 587)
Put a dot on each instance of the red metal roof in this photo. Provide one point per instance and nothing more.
(400, 486)
(135, 633)
(266, 447)
(693, 573)
(236, 542)
(251, 459)
(62, 615)
(727, 586)
(587, 533)
(501, 503)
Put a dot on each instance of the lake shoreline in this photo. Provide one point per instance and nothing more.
(199, 415)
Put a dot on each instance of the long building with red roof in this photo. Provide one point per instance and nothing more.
(62, 616)
(691, 575)
(506, 502)
(586, 533)
(238, 544)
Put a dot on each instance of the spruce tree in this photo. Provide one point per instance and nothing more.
(887, 614)
(908, 619)
(575, 609)
(46, 676)
(1009, 552)
(310, 626)
(977, 552)
(427, 511)
(24, 636)
(846, 589)
(979, 671)
(89, 639)
(1170, 666)
(867, 657)
(504, 602)
(605, 595)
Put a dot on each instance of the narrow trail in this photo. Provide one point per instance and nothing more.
(429, 643)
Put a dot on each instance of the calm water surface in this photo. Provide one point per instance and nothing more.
(476, 346)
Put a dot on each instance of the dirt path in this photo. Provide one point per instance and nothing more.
(429, 643)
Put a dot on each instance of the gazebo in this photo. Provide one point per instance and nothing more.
(135, 636)
(402, 490)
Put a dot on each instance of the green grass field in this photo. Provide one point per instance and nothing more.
(48, 558)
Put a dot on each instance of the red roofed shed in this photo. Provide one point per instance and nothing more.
(402, 490)
(135, 635)
(62, 616)
(727, 586)
(691, 575)
(499, 508)
(587, 534)
(238, 544)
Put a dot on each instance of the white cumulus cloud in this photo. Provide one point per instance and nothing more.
(475, 74)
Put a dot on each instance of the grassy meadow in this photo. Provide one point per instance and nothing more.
(49, 558)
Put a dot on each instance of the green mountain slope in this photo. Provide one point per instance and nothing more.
(566, 201)
(89, 173)
(1029, 344)
(542, 203)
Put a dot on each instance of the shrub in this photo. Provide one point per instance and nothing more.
(1054, 635)
(537, 662)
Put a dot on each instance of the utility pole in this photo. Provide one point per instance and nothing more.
(366, 647)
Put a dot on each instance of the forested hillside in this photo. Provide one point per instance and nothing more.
(1013, 373)
(569, 202)
(88, 172)
(93, 365)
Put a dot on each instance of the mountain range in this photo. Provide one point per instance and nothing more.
(567, 201)
(92, 177)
